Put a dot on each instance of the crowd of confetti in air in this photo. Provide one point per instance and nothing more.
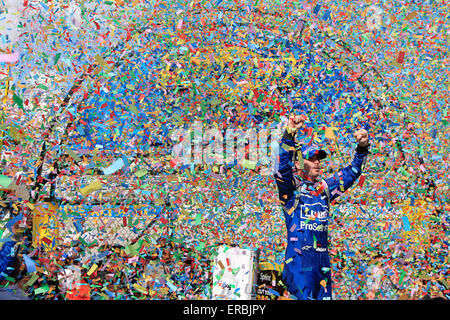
(93, 92)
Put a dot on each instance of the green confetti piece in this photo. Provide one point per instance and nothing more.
(261, 96)
(141, 173)
(133, 109)
(17, 100)
(42, 289)
(72, 154)
(198, 218)
(249, 164)
(201, 246)
(57, 56)
(33, 278)
(5, 181)
(239, 219)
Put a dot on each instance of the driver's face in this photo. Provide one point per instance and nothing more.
(311, 167)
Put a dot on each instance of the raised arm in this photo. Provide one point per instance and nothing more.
(284, 176)
(346, 177)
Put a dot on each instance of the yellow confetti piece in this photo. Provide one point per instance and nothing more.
(92, 269)
(329, 133)
(249, 164)
(101, 62)
(94, 186)
(140, 288)
(291, 210)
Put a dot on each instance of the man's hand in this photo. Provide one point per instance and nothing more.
(296, 122)
(361, 137)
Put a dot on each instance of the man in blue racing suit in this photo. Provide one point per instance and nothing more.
(306, 202)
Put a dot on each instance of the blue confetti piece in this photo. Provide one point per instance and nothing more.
(406, 225)
(317, 9)
(30, 264)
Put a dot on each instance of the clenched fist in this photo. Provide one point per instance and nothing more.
(296, 122)
(362, 137)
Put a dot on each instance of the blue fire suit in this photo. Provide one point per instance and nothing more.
(306, 208)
